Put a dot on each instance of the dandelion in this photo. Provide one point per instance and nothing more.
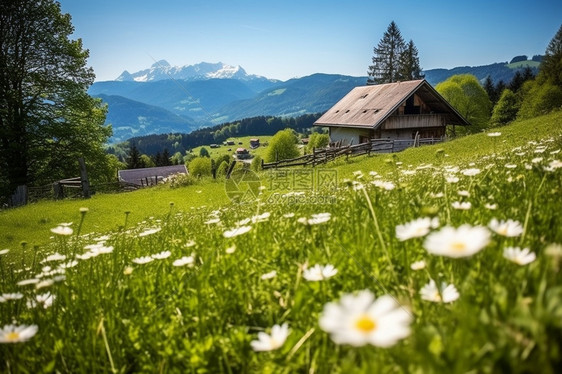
(162, 255)
(17, 334)
(519, 256)
(319, 272)
(466, 205)
(143, 260)
(236, 231)
(185, 260)
(447, 293)
(62, 230)
(270, 275)
(150, 232)
(418, 265)
(457, 242)
(270, 342)
(509, 228)
(361, 319)
(470, 172)
(416, 228)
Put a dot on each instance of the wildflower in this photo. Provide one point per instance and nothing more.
(288, 215)
(46, 299)
(451, 179)
(128, 270)
(150, 232)
(212, 221)
(471, 172)
(316, 219)
(418, 265)
(519, 256)
(319, 272)
(509, 228)
(491, 206)
(261, 217)
(447, 293)
(416, 228)
(271, 342)
(463, 193)
(17, 334)
(44, 283)
(510, 166)
(62, 230)
(185, 260)
(84, 210)
(4, 251)
(554, 250)
(162, 255)
(143, 260)
(69, 264)
(388, 186)
(466, 205)
(11, 296)
(271, 274)
(494, 134)
(457, 242)
(55, 257)
(555, 164)
(536, 160)
(26, 282)
(236, 231)
(360, 319)
(230, 250)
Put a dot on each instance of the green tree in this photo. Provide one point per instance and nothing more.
(256, 163)
(177, 158)
(317, 140)
(386, 59)
(551, 65)
(539, 98)
(134, 160)
(203, 152)
(200, 167)
(409, 63)
(469, 98)
(505, 110)
(147, 161)
(282, 146)
(47, 119)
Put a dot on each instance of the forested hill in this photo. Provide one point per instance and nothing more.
(258, 126)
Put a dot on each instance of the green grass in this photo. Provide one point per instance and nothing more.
(224, 149)
(112, 314)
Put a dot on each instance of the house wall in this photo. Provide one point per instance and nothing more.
(348, 135)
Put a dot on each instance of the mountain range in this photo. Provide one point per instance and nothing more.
(165, 99)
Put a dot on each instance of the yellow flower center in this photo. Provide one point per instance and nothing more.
(365, 324)
(12, 336)
(458, 246)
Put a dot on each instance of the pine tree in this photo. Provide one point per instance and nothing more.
(490, 89)
(409, 63)
(134, 160)
(551, 65)
(386, 59)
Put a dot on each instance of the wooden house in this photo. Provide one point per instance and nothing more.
(394, 111)
(254, 143)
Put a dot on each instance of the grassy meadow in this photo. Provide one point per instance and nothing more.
(438, 259)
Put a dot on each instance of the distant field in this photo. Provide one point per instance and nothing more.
(231, 149)
(524, 64)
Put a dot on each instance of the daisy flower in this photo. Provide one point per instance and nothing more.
(236, 231)
(447, 293)
(361, 319)
(143, 260)
(185, 260)
(509, 228)
(271, 274)
(12, 296)
(418, 265)
(4, 251)
(471, 172)
(62, 230)
(17, 334)
(162, 255)
(150, 232)
(270, 342)
(416, 228)
(519, 256)
(466, 205)
(457, 242)
(319, 272)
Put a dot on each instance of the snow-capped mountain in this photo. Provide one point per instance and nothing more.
(162, 70)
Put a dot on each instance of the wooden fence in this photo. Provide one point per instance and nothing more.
(321, 156)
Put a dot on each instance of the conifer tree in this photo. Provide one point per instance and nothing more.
(409, 63)
(386, 59)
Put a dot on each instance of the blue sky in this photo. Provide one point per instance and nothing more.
(286, 38)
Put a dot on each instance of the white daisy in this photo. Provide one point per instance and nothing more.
(360, 319)
(162, 255)
(447, 293)
(150, 232)
(270, 275)
(416, 228)
(4, 251)
(236, 231)
(519, 256)
(457, 242)
(418, 265)
(465, 205)
(12, 296)
(270, 342)
(143, 260)
(185, 260)
(17, 334)
(471, 172)
(319, 272)
(26, 282)
(509, 228)
(62, 230)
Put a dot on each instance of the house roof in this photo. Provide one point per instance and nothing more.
(370, 106)
(134, 176)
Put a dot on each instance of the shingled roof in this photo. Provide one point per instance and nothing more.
(134, 176)
(370, 106)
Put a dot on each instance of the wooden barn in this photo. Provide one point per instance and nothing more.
(396, 111)
(149, 176)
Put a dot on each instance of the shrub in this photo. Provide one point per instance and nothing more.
(282, 146)
(180, 180)
(200, 167)
(505, 110)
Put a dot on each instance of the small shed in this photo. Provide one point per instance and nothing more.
(254, 143)
(242, 153)
(149, 176)
(394, 111)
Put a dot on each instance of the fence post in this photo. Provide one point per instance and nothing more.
(19, 197)
(58, 191)
(84, 178)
